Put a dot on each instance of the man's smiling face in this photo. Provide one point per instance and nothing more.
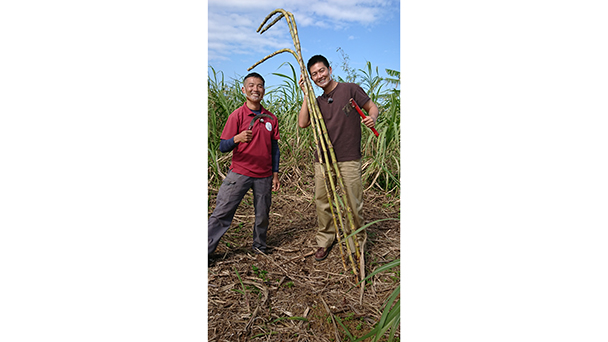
(253, 88)
(320, 74)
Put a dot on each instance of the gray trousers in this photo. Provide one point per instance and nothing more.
(231, 193)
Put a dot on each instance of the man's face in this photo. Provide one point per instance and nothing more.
(320, 74)
(253, 88)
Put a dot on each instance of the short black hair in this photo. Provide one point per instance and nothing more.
(256, 75)
(316, 59)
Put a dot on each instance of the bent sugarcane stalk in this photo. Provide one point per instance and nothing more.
(314, 108)
(321, 138)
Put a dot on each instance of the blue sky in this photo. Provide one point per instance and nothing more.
(363, 30)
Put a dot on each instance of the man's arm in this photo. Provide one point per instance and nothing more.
(276, 156)
(227, 145)
(372, 114)
(303, 115)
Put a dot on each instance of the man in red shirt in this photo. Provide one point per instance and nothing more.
(252, 133)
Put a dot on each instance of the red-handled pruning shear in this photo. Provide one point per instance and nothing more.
(354, 104)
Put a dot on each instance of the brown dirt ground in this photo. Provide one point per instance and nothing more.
(285, 286)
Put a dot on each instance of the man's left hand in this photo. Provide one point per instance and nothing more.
(276, 184)
(369, 121)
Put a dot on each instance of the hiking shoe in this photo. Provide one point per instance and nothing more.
(322, 253)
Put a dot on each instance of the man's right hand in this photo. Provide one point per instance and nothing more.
(244, 136)
(301, 82)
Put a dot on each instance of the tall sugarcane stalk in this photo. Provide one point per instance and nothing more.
(322, 131)
(322, 141)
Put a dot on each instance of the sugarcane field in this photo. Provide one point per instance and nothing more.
(284, 293)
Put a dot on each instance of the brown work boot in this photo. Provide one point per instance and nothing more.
(322, 253)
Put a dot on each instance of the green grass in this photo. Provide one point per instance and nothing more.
(259, 272)
(391, 313)
(242, 291)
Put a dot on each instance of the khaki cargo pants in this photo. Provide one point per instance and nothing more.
(351, 175)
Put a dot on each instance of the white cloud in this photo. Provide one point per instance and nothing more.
(233, 23)
(233, 33)
(348, 14)
(240, 5)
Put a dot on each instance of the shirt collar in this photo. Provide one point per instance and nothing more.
(249, 112)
